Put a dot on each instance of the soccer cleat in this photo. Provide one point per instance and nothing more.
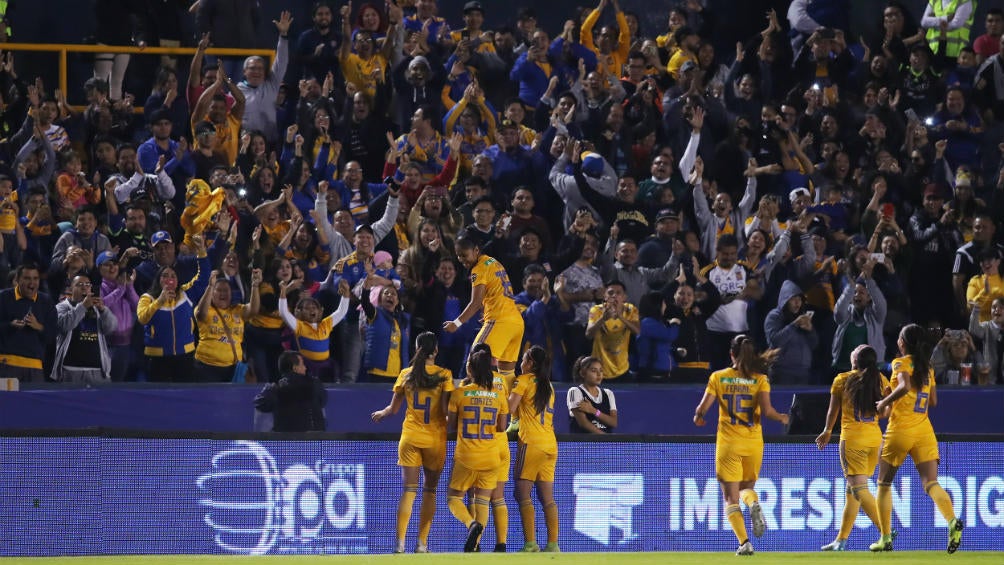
(883, 544)
(530, 547)
(955, 534)
(421, 548)
(756, 516)
(500, 548)
(473, 535)
(552, 547)
(835, 545)
(745, 549)
(399, 548)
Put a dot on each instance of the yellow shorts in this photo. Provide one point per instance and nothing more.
(505, 458)
(408, 455)
(921, 448)
(735, 464)
(858, 460)
(463, 478)
(504, 337)
(534, 464)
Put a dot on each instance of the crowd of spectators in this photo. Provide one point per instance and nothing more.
(650, 198)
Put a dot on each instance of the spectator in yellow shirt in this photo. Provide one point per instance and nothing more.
(986, 287)
(611, 325)
(613, 46)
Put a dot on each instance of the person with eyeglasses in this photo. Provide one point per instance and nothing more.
(84, 322)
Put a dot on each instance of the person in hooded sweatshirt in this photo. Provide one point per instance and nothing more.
(789, 328)
(296, 400)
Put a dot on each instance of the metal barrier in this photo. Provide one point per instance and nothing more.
(64, 48)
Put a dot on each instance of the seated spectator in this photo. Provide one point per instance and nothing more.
(954, 354)
(991, 335)
(610, 328)
(592, 409)
(655, 340)
(296, 400)
(789, 329)
(81, 347)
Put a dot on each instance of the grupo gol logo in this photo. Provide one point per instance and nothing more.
(254, 508)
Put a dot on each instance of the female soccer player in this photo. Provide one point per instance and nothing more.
(910, 433)
(480, 411)
(855, 394)
(425, 387)
(743, 395)
(532, 403)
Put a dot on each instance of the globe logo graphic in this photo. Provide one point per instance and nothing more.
(242, 494)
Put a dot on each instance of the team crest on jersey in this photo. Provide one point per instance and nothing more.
(474, 277)
(739, 275)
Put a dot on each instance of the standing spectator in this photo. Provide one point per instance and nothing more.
(119, 296)
(544, 313)
(260, 86)
(721, 219)
(657, 249)
(120, 23)
(967, 262)
(655, 340)
(84, 236)
(230, 24)
(610, 328)
(984, 288)
(212, 107)
(584, 286)
(81, 346)
(311, 332)
(27, 324)
(789, 329)
(613, 46)
(691, 351)
(317, 47)
(988, 44)
(129, 182)
(736, 287)
(935, 236)
(387, 333)
(592, 409)
(165, 97)
(296, 400)
(637, 280)
(954, 18)
(991, 335)
(221, 329)
(859, 315)
(160, 145)
(167, 312)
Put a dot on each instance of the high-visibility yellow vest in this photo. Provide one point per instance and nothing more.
(955, 39)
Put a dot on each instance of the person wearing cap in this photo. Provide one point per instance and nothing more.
(165, 255)
(613, 46)
(480, 41)
(656, 249)
(84, 324)
(988, 286)
(177, 158)
(598, 174)
(362, 64)
(119, 296)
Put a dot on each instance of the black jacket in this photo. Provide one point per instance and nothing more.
(296, 402)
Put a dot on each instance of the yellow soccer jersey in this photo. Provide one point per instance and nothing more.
(477, 412)
(610, 345)
(909, 413)
(738, 409)
(503, 384)
(313, 342)
(424, 424)
(535, 429)
(864, 431)
(498, 303)
(217, 346)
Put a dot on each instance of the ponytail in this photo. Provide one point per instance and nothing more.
(542, 370)
(864, 385)
(479, 369)
(745, 358)
(425, 347)
(581, 364)
(918, 347)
